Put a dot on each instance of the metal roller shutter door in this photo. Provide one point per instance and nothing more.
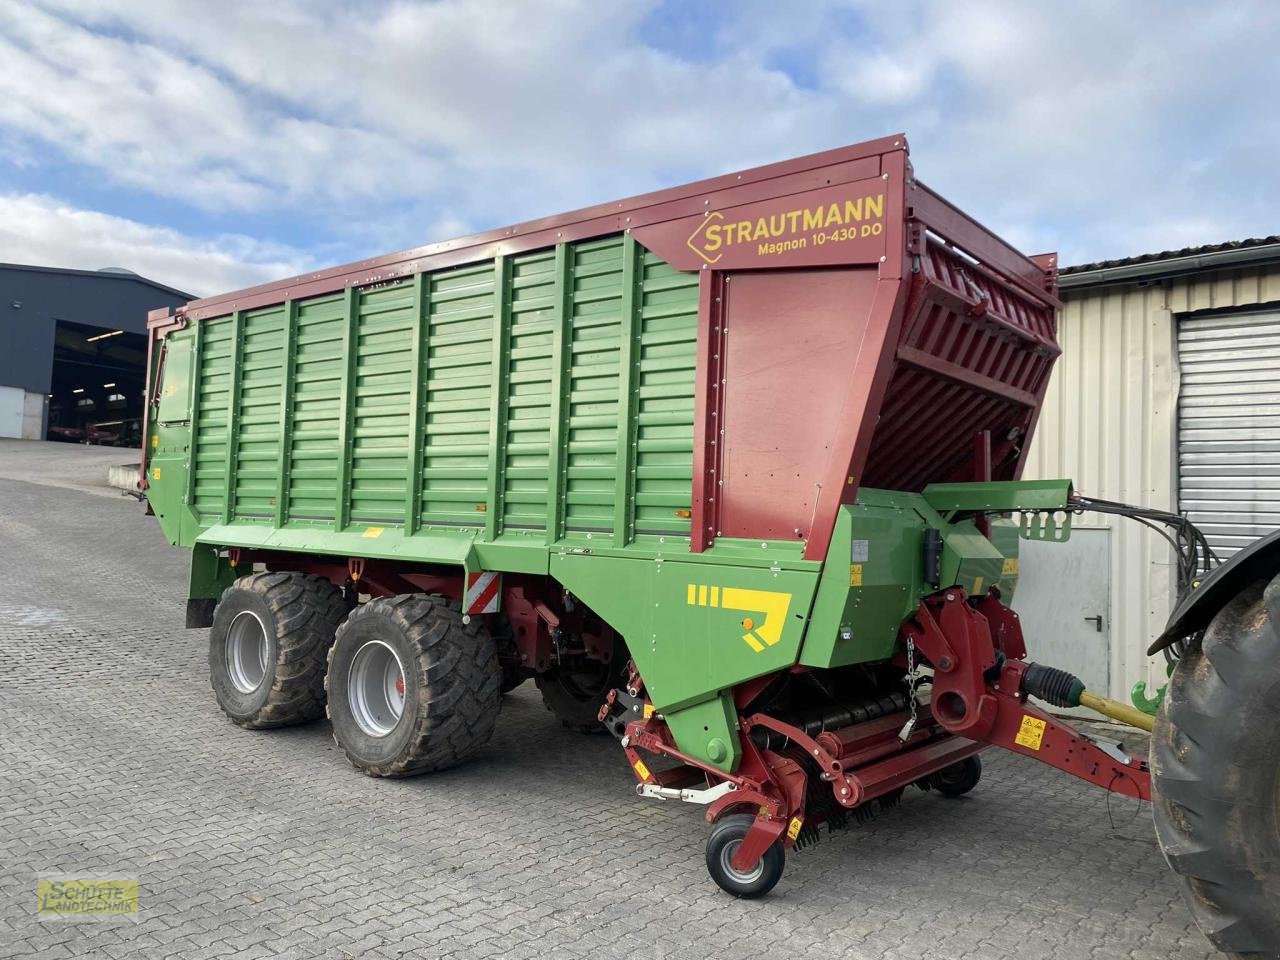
(1229, 426)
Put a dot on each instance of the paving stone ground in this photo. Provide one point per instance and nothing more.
(115, 759)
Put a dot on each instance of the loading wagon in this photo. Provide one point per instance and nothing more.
(732, 472)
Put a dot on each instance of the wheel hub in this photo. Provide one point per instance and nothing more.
(246, 652)
(726, 863)
(375, 688)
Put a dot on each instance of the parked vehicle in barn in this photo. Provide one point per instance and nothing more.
(731, 471)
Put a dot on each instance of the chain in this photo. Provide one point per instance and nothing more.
(912, 679)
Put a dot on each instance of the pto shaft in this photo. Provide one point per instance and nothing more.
(1063, 689)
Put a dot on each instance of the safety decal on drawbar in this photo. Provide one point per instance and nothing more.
(1031, 733)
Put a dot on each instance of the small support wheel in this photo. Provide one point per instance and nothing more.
(726, 836)
(959, 778)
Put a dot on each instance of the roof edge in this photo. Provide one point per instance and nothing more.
(77, 272)
(1167, 267)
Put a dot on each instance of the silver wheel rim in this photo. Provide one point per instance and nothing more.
(375, 688)
(247, 651)
(726, 864)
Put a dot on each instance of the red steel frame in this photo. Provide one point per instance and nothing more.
(976, 651)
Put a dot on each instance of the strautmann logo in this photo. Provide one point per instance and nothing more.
(796, 229)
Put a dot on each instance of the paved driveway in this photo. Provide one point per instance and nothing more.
(114, 758)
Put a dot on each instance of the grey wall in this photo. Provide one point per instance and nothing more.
(110, 301)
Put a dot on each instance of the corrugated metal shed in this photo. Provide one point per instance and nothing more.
(1110, 417)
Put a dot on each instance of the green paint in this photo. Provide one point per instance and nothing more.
(534, 414)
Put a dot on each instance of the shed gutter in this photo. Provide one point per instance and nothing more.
(1173, 266)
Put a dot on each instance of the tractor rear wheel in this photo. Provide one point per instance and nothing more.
(1215, 756)
(412, 689)
(271, 634)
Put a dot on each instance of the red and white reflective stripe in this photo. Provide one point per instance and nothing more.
(482, 592)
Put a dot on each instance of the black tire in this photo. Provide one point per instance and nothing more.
(1215, 756)
(298, 615)
(959, 778)
(451, 682)
(576, 696)
(723, 841)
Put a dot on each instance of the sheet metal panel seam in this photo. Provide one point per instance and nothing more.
(233, 416)
(193, 411)
(628, 358)
(346, 408)
(417, 401)
(497, 408)
(288, 354)
(561, 356)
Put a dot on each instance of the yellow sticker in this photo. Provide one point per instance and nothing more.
(61, 896)
(155, 440)
(1031, 733)
(855, 574)
(977, 586)
(648, 710)
(155, 474)
(641, 770)
(1010, 568)
(372, 533)
(793, 828)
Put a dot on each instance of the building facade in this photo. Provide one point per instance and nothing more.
(1167, 394)
(73, 351)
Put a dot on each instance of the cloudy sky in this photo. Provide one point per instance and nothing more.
(215, 145)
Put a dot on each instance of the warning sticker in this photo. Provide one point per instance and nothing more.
(855, 574)
(641, 770)
(1010, 568)
(793, 828)
(648, 710)
(1031, 733)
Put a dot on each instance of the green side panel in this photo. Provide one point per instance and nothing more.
(969, 559)
(999, 495)
(459, 378)
(872, 580)
(873, 577)
(695, 629)
(529, 406)
(1004, 534)
(175, 400)
(257, 447)
(593, 415)
(708, 730)
(663, 438)
(315, 409)
(213, 406)
(381, 412)
(521, 402)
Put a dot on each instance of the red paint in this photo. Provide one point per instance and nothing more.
(792, 338)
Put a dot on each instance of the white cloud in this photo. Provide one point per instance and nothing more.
(1089, 125)
(41, 230)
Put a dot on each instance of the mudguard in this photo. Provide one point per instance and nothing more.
(1260, 560)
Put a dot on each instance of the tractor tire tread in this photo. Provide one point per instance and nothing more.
(1202, 795)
